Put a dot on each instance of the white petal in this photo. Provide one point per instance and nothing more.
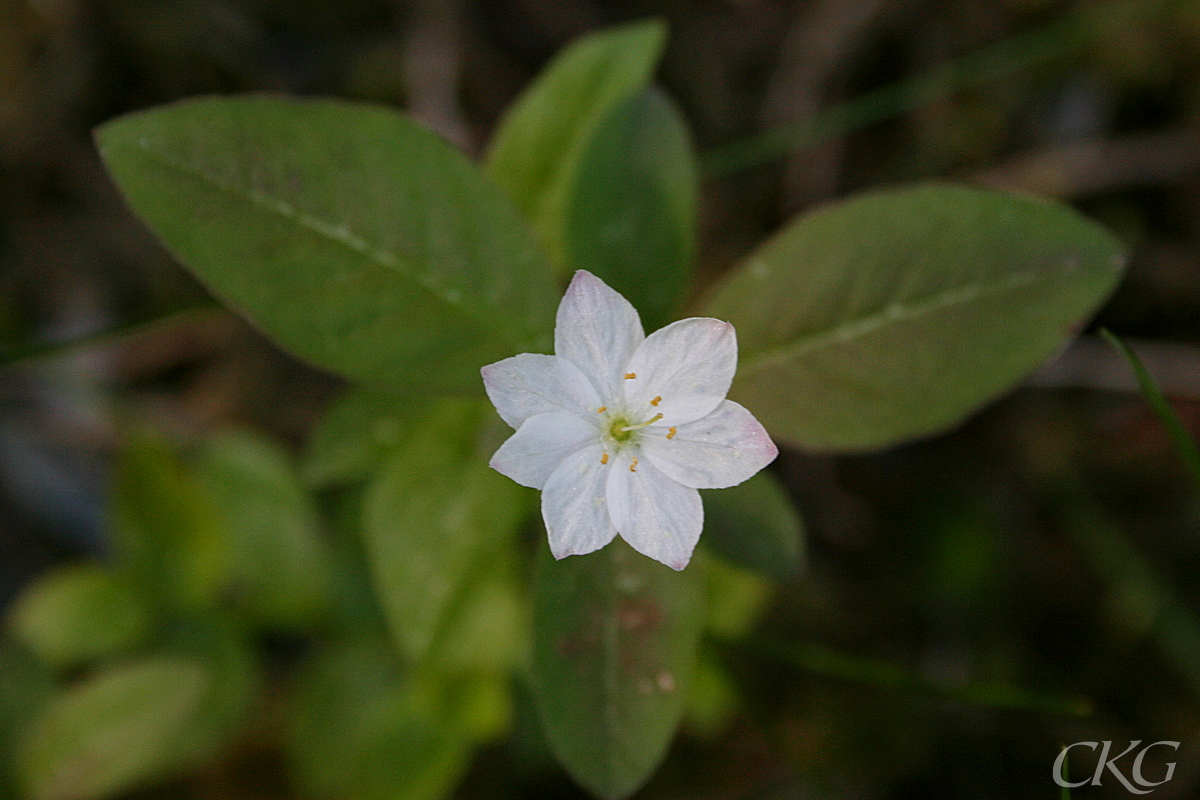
(689, 365)
(574, 507)
(598, 330)
(714, 452)
(529, 384)
(540, 445)
(659, 517)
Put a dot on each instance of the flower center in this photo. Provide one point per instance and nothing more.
(621, 428)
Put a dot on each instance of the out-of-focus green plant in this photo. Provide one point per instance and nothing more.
(366, 245)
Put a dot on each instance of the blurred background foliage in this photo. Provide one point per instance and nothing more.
(1049, 544)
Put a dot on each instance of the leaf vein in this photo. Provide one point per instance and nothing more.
(339, 233)
(891, 314)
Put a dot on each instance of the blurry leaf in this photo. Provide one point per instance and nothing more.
(630, 212)
(360, 730)
(355, 602)
(755, 524)
(481, 705)
(78, 613)
(111, 732)
(25, 686)
(1184, 445)
(165, 532)
(713, 698)
(539, 143)
(615, 639)
(355, 237)
(736, 598)
(895, 314)
(355, 434)
(435, 515)
(488, 628)
(278, 559)
(233, 682)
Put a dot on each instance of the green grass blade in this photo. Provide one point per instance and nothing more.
(835, 664)
(1185, 446)
(1057, 40)
(18, 354)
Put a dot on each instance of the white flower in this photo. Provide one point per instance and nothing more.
(618, 430)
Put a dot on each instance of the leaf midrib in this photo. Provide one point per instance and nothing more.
(894, 314)
(343, 235)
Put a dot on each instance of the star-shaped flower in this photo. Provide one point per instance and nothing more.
(618, 430)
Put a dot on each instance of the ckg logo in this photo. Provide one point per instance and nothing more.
(1105, 762)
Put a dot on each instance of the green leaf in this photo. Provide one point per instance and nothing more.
(630, 212)
(113, 731)
(164, 529)
(278, 559)
(487, 628)
(713, 699)
(615, 640)
(355, 435)
(897, 313)
(26, 684)
(234, 680)
(360, 729)
(539, 143)
(355, 237)
(435, 516)
(755, 524)
(79, 613)
(737, 598)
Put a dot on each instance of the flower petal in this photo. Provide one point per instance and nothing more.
(716, 451)
(574, 507)
(529, 384)
(689, 365)
(597, 330)
(540, 445)
(659, 517)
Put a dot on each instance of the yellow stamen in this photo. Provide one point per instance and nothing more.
(650, 421)
(670, 433)
(601, 409)
(604, 458)
(630, 375)
(656, 400)
(633, 465)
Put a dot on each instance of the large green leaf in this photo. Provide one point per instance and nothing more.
(629, 215)
(111, 732)
(355, 237)
(74, 614)
(278, 560)
(537, 148)
(615, 640)
(894, 314)
(755, 524)
(435, 517)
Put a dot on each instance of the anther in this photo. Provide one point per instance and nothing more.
(601, 409)
(630, 376)
(656, 400)
(670, 433)
(604, 458)
(633, 465)
(650, 421)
